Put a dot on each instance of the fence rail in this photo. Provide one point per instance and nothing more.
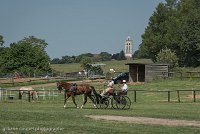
(8, 93)
(168, 93)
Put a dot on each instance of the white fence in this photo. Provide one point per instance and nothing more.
(43, 94)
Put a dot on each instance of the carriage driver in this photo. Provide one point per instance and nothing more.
(109, 89)
(124, 89)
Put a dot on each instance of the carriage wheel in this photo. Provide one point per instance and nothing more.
(128, 102)
(105, 103)
(102, 103)
(93, 98)
(114, 103)
(109, 100)
(121, 102)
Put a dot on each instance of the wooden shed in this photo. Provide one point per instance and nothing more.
(139, 72)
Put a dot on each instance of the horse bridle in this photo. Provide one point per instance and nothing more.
(59, 86)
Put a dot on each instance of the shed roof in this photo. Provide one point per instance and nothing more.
(135, 64)
(152, 64)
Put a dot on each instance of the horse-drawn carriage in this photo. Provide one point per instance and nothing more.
(113, 100)
(103, 102)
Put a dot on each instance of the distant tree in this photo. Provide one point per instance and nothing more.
(85, 61)
(142, 53)
(174, 25)
(168, 57)
(122, 55)
(82, 56)
(67, 59)
(104, 56)
(93, 70)
(56, 61)
(119, 56)
(189, 33)
(154, 36)
(26, 57)
(96, 70)
(1, 40)
(136, 54)
(115, 56)
(4, 58)
(34, 42)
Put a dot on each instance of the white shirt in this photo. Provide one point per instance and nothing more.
(111, 84)
(125, 87)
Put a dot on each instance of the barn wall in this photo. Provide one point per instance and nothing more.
(145, 73)
(155, 71)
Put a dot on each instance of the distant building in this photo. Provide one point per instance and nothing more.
(128, 48)
(139, 72)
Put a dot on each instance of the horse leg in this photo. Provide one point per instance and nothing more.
(73, 98)
(85, 100)
(65, 100)
(31, 94)
(36, 95)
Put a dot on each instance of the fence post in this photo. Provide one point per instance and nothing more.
(29, 96)
(181, 75)
(194, 95)
(178, 96)
(0, 93)
(168, 96)
(6, 95)
(13, 81)
(135, 95)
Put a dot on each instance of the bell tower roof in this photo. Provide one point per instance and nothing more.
(128, 38)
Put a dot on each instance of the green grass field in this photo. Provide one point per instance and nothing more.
(119, 66)
(49, 116)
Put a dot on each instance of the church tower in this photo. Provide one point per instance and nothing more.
(128, 48)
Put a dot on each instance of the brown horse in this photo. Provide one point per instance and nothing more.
(27, 90)
(73, 90)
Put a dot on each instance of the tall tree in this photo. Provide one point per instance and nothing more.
(122, 55)
(26, 57)
(168, 57)
(174, 25)
(104, 56)
(34, 42)
(190, 33)
(152, 38)
(1, 40)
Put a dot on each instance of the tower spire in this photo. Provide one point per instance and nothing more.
(128, 48)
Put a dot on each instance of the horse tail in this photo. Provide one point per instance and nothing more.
(95, 92)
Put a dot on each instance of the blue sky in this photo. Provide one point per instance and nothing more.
(73, 27)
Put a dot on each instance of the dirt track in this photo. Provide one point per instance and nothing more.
(146, 120)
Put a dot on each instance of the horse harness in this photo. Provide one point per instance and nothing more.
(73, 88)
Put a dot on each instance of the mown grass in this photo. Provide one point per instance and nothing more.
(51, 114)
(72, 120)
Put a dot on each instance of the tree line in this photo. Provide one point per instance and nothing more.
(103, 56)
